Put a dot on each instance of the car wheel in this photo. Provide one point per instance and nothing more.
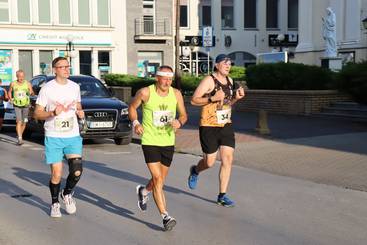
(122, 141)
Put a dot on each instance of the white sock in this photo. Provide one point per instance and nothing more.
(145, 191)
(164, 215)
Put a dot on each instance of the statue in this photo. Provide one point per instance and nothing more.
(329, 33)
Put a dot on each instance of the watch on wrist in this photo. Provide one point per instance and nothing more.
(210, 99)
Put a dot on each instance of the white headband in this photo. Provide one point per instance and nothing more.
(164, 74)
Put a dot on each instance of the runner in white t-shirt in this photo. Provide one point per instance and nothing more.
(58, 103)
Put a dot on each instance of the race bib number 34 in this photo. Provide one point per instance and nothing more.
(64, 124)
(224, 116)
(162, 118)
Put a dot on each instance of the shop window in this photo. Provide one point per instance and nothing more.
(85, 62)
(26, 63)
(45, 62)
(148, 63)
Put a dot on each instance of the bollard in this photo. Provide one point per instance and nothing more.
(262, 122)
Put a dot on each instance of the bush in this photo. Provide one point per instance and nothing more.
(238, 73)
(352, 79)
(289, 76)
(125, 80)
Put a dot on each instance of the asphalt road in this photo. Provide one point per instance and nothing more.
(269, 209)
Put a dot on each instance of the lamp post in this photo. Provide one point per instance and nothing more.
(70, 51)
(280, 39)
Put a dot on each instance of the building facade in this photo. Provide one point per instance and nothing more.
(92, 33)
(149, 36)
(244, 28)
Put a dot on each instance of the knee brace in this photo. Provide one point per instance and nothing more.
(75, 166)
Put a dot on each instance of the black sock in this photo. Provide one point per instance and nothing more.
(70, 184)
(55, 190)
(221, 195)
(193, 170)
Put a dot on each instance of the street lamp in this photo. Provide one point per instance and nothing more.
(70, 51)
(280, 39)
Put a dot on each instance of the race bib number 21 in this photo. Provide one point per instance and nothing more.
(64, 124)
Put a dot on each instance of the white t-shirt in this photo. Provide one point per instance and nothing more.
(64, 125)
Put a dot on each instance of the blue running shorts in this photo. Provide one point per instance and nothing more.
(57, 148)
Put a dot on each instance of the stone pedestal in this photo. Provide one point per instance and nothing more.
(332, 63)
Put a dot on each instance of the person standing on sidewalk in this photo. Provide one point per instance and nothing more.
(59, 104)
(3, 97)
(159, 103)
(19, 94)
(216, 95)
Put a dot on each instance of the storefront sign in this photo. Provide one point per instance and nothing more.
(50, 37)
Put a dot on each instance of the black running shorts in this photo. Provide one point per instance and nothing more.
(2, 112)
(211, 138)
(162, 154)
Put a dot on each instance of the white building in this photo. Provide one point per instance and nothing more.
(33, 32)
(244, 28)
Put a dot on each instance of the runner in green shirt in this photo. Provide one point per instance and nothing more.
(159, 103)
(19, 93)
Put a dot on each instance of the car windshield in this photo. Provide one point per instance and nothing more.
(91, 87)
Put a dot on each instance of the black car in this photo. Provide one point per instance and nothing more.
(105, 116)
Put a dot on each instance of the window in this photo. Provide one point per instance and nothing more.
(44, 16)
(85, 62)
(148, 16)
(4, 11)
(103, 12)
(104, 62)
(227, 14)
(293, 14)
(46, 62)
(83, 12)
(26, 63)
(148, 63)
(250, 13)
(24, 15)
(184, 14)
(64, 12)
(271, 13)
(206, 13)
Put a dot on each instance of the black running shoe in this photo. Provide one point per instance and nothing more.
(142, 200)
(168, 223)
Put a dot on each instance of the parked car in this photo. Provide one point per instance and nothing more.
(9, 116)
(105, 116)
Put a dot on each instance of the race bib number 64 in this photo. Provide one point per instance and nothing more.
(162, 118)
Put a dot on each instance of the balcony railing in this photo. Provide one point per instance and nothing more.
(151, 27)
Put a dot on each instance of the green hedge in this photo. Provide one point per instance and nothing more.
(353, 80)
(128, 81)
(188, 82)
(289, 76)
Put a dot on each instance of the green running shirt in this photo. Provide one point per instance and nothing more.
(158, 113)
(21, 94)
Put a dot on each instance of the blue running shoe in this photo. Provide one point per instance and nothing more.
(225, 201)
(193, 178)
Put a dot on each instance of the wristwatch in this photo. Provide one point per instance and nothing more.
(210, 99)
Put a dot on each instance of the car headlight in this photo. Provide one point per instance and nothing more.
(124, 111)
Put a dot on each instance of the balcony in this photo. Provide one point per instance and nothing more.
(149, 29)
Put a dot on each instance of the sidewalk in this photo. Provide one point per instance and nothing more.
(322, 150)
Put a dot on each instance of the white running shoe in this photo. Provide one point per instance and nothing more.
(69, 202)
(55, 210)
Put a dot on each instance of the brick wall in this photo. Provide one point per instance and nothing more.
(299, 102)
